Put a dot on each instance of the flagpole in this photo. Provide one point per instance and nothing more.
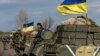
(86, 15)
(89, 39)
(87, 28)
(87, 23)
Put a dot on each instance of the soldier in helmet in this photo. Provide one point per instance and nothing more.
(37, 39)
(19, 42)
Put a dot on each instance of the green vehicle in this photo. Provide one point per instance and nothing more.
(68, 40)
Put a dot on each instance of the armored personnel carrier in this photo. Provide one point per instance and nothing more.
(69, 40)
(73, 39)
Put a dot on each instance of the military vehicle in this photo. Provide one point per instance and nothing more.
(67, 40)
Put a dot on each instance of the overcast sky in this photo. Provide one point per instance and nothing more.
(38, 10)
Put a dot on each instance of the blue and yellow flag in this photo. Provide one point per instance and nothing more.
(27, 27)
(72, 7)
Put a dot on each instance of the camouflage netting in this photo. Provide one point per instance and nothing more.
(79, 20)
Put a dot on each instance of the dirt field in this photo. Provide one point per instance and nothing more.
(8, 51)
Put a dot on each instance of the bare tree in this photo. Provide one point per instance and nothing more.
(47, 23)
(22, 19)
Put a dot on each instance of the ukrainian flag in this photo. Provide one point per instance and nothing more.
(72, 7)
(27, 27)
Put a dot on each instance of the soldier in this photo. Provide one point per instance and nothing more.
(4, 40)
(37, 39)
(19, 42)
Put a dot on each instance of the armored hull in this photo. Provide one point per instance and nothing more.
(69, 40)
